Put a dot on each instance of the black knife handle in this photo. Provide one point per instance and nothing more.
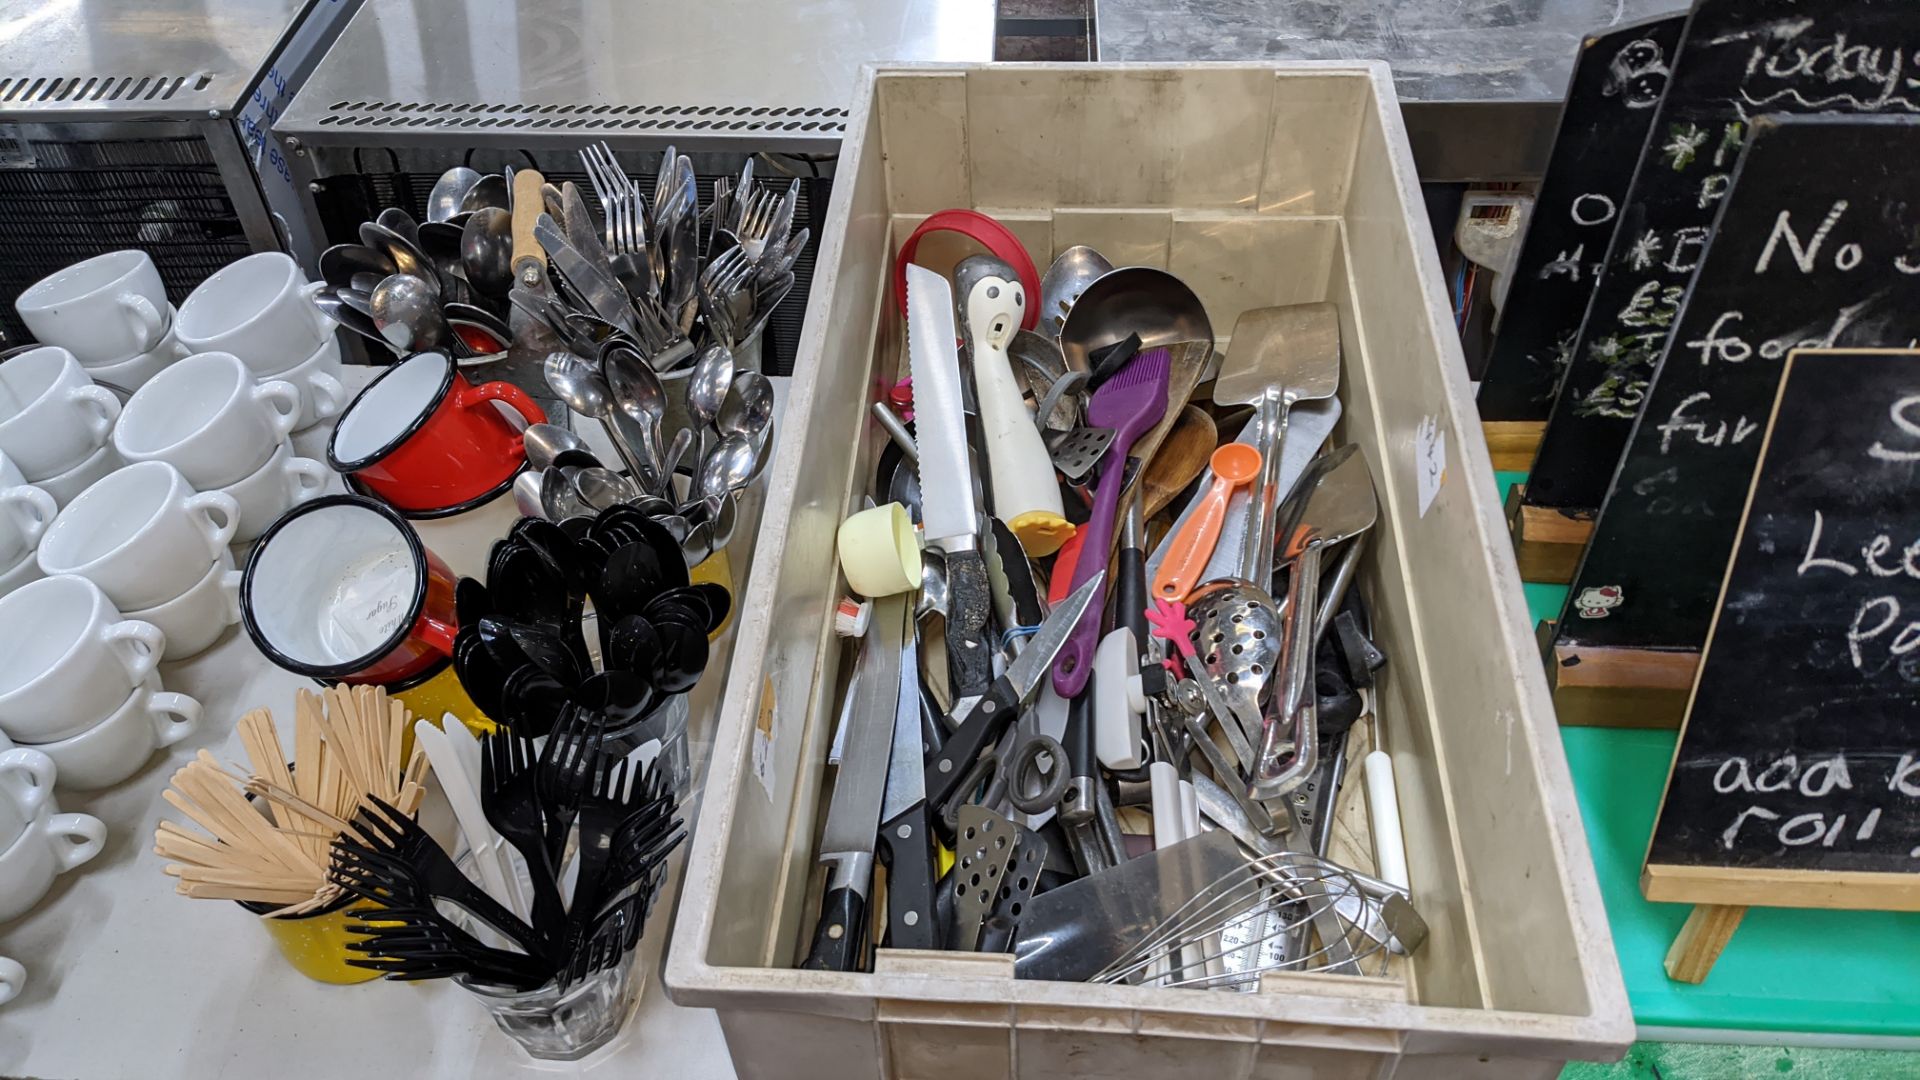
(1076, 803)
(981, 729)
(907, 842)
(836, 940)
(969, 603)
(1130, 593)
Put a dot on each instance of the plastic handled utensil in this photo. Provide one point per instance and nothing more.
(1279, 356)
(1233, 464)
(1130, 403)
(1025, 494)
(1336, 502)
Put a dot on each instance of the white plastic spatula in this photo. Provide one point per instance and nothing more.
(1025, 494)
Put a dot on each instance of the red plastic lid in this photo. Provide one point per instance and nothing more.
(996, 238)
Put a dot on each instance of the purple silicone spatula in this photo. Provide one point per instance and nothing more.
(1130, 403)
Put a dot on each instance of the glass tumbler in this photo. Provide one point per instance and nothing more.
(555, 1023)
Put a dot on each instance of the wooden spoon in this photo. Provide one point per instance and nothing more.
(1181, 457)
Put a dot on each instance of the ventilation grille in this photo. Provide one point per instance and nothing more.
(35, 90)
(714, 119)
(80, 199)
(343, 205)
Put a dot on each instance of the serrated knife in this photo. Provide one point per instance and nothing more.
(945, 469)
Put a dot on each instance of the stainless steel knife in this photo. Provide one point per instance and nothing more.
(947, 507)
(906, 824)
(846, 843)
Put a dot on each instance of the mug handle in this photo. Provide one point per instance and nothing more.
(143, 317)
(307, 292)
(145, 644)
(438, 635)
(31, 508)
(308, 476)
(32, 793)
(220, 516)
(329, 397)
(13, 979)
(109, 408)
(283, 399)
(230, 592)
(63, 829)
(175, 716)
(502, 391)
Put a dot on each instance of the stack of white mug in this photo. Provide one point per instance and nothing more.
(110, 312)
(37, 843)
(80, 683)
(260, 310)
(54, 423)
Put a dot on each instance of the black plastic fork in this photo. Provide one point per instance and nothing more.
(510, 797)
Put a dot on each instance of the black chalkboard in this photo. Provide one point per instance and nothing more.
(1801, 256)
(1801, 747)
(1738, 59)
(1617, 81)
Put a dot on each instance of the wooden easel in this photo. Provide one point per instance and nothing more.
(1547, 543)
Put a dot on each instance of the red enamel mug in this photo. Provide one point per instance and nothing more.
(423, 438)
(342, 588)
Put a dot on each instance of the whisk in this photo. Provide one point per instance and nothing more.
(1263, 915)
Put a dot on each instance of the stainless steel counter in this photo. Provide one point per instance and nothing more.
(719, 74)
(93, 59)
(1480, 81)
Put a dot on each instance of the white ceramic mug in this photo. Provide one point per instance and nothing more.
(68, 658)
(260, 309)
(115, 748)
(283, 483)
(13, 979)
(132, 374)
(67, 486)
(195, 619)
(50, 845)
(103, 310)
(207, 417)
(317, 378)
(51, 414)
(142, 534)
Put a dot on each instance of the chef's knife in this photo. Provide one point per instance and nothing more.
(846, 843)
(982, 721)
(906, 824)
(947, 506)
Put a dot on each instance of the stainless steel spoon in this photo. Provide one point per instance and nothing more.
(526, 494)
(443, 202)
(707, 386)
(557, 496)
(490, 191)
(545, 442)
(406, 255)
(577, 383)
(748, 408)
(728, 467)
(602, 488)
(486, 251)
(341, 262)
(333, 307)
(406, 309)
